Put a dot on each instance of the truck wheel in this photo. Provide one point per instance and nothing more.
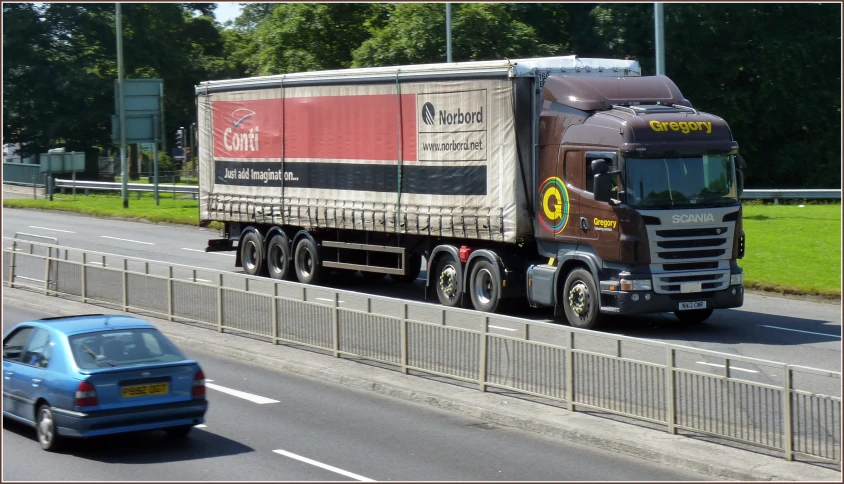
(696, 316)
(252, 253)
(484, 287)
(306, 262)
(449, 282)
(581, 300)
(278, 257)
(414, 267)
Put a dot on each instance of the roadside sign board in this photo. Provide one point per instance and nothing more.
(142, 102)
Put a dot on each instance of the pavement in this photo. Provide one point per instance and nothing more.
(722, 462)
(21, 191)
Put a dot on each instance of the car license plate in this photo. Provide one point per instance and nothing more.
(692, 305)
(144, 390)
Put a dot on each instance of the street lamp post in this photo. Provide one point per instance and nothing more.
(659, 41)
(124, 175)
(448, 32)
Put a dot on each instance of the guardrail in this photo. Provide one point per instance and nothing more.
(800, 194)
(787, 408)
(132, 187)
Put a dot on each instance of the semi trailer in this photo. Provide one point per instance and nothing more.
(564, 182)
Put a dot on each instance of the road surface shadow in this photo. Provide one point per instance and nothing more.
(151, 447)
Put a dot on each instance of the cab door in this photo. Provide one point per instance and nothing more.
(597, 222)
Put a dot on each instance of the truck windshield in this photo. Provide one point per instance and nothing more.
(707, 180)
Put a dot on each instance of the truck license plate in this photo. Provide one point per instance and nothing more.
(692, 305)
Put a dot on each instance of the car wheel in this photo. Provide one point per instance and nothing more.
(484, 287)
(581, 300)
(449, 282)
(252, 254)
(179, 432)
(278, 257)
(693, 317)
(306, 262)
(45, 427)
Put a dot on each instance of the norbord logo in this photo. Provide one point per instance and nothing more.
(458, 117)
(241, 141)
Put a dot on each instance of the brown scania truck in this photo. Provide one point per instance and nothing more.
(564, 182)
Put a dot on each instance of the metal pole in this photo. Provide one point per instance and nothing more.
(659, 33)
(121, 106)
(448, 31)
(787, 414)
(73, 176)
(34, 189)
(155, 166)
(670, 400)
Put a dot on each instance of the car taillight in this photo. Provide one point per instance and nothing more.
(198, 384)
(86, 395)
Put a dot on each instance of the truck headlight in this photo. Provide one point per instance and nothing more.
(636, 285)
(736, 279)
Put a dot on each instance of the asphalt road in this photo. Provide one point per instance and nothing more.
(307, 430)
(793, 331)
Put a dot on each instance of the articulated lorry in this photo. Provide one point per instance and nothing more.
(565, 182)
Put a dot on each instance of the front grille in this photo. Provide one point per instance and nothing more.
(691, 254)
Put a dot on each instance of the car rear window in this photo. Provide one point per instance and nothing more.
(108, 349)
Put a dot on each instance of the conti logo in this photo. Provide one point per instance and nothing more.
(683, 126)
(237, 138)
(555, 205)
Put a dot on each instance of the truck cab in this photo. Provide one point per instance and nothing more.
(636, 202)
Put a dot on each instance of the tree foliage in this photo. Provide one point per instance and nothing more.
(771, 70)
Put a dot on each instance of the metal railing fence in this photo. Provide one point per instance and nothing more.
(787, 408)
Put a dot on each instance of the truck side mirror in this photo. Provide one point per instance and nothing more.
(739, 182)
(602, 185)
(599, 166)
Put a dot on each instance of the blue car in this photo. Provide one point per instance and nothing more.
(97, 374)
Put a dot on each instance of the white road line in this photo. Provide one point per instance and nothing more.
(800, 331)
(198, 279)
(126, 240)
(55, 230)
(237, 393)
(324, 466)
(505, 329)
(207, 380)
(722, 366)
(197, 250)
(329, 300)
(201, 426)
(93, 262)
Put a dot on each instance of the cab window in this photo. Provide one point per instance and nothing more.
(14, 343)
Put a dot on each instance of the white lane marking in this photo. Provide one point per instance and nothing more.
(237, 393)
(207, 380)
(126, 240)
(505, 329)
(800, 331)
(197, 250)
(93, 262)
(201, 426)
(329, 300)
(722, 366)
(324, 466)
(55, 230)
(198, 279)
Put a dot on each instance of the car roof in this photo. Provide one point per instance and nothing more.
(89, 323)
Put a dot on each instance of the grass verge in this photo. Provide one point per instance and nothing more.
(791, 249)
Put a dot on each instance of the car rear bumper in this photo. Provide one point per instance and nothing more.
(115, 421)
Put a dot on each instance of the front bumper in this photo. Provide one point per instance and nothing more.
(115, 421)
(621, 302)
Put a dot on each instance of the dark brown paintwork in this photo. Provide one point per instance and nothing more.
(567, 130)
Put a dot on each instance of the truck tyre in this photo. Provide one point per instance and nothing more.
(449, 281)
(306, 262)
(581, 300)
(484, 287)
(278, 257)
(414, 267)
(252, 253)
(693, 317)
